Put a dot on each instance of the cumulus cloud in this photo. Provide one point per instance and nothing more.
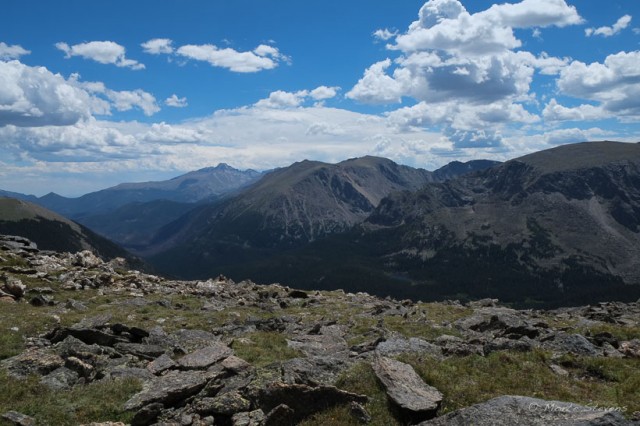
(614, 83)
(446, 25)
(33, 96)
(8, 52)
(449, 53)
(104, 52)
(176, 102)
(573, 135)
(157, 46)
(129, 99)
(553, 111)
(322, 93)
(465, 69)
(282, 99)
(261, 58)
(620, 25)
(384, 34)
(120, 100)
(376, 87)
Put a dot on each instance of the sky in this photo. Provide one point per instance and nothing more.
(93, 94)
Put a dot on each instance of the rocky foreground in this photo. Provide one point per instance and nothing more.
(226, 353)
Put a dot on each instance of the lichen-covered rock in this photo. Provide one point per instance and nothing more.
(226, 404)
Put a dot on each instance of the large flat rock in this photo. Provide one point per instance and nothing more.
(205, 357)
(520, 410)
(169, 389)
(415, 399)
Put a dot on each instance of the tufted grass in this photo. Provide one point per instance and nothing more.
(95, 402)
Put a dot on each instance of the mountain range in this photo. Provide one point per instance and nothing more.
(560, 226)
(556, 227)
(287, 209)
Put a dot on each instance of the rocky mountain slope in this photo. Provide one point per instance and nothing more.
(51, 231)
(565, 220)
(87, 341)
(288, 208)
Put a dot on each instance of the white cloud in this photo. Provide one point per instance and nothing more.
(322, 93)
(129, 99)
(157, 46)
(104, 52)
(281, 99)
(464, 70)
(446, 25)
(553, 111)
(262, 58)
(176, 102)
(33, 96)
(376, 87)
(249, 137)
(384, 34)
(120, 100)
(573, 135)
(8, 52)
(615, 83)
(620, 25)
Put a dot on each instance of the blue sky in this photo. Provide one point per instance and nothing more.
(97, 93)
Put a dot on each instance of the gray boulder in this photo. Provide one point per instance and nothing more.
(415, 400)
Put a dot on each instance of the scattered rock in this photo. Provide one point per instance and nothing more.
(359, 413)
(147, 414)
(559, 370)
(415, 399)
(281, 415)
(520, 410)
(631, 348)
(301, 401)
(13, 286)
(18, 419)
(251, 418)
